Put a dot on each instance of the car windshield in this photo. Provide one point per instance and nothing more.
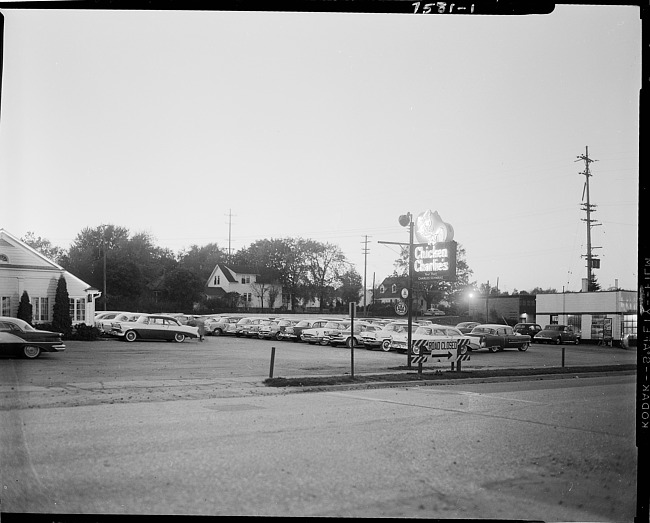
(483, 330)
(423, 330)
(553, 328)
(453, 332)
(303, 323)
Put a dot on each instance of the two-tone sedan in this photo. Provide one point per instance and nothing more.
(294, 332)
(321, 330)
(497, 337)
(154, 327)
(428, 339)
(17, 337)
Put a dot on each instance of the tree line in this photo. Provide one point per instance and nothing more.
(139, 275)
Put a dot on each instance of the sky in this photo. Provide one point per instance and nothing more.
(232, 127)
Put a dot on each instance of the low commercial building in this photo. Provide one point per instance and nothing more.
(606, 317)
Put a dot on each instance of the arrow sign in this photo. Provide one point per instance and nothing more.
(440, 353)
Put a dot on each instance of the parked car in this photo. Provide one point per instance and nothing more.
(275, 328)
(558, 334)
(248, 326)
(531, 329)
(154, 327)
(426, 338)
(496, 337)
(382, 337)
(321, 329)
(294, 332)
(104, 321)
(344, 337)
(219, 326)
(17, 337)
(433, 311)
(268, 329)
(467, 326)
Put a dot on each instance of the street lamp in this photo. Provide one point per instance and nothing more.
(406, 220)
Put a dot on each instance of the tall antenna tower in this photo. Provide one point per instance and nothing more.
(593, 262)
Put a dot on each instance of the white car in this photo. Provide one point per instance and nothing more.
(154, 327)
(431, 337)
(381, 338)
(104, 320)
(321, 329)
(344, 337)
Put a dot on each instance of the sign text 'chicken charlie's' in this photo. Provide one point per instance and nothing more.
(435, 255)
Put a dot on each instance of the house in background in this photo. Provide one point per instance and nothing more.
(23, 268)
(252, 292)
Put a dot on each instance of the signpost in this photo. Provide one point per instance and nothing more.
(434, 258)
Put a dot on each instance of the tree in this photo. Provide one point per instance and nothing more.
(593, 285)
(25, 308)
(61, 320)
(44, 246)
(202, 260)
(325, 264)
(183, 287)
(351, 286)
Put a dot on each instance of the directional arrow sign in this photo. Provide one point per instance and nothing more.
(441, 353)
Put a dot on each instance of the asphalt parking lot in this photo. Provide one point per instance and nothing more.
(110, 370)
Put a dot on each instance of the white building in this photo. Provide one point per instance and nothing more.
(253, 292)
(23, 268)
(603, 316)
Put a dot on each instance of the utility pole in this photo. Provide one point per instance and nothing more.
(365, 251)
(229, 234)
(592, 261)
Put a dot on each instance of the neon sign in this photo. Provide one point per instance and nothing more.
(435, 256)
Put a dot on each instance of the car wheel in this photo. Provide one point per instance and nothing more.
(31, 351)
(217, 332)
(415, 350)
(558, 340)
(278, 337)
(385, 345)
(577, 341)
(351, 343)
(493, 349)
(524, 347)
(130, 336)
(324, 342)
(179, 337)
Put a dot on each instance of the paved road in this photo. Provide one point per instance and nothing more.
(554, 450)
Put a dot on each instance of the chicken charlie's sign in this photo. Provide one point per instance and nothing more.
(435, 255)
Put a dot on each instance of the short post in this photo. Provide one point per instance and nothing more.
(272, 361)
(563, 356)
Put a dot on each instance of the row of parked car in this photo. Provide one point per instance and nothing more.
(372, 334)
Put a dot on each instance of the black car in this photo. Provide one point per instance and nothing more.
(527, 328)
(19, 337)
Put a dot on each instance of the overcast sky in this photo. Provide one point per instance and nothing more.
(330, 126)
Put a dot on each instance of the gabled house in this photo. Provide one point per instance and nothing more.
(23, 268)
(252, 291)
(390, 291)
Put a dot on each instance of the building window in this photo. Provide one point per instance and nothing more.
(554, 319)
(41, 309)
(6, 306)
(393, 288)
(245, 279)
(382, 289)
(247, 297)
(629, 324)
(597, 326)
(78, 309)
(575, 321)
